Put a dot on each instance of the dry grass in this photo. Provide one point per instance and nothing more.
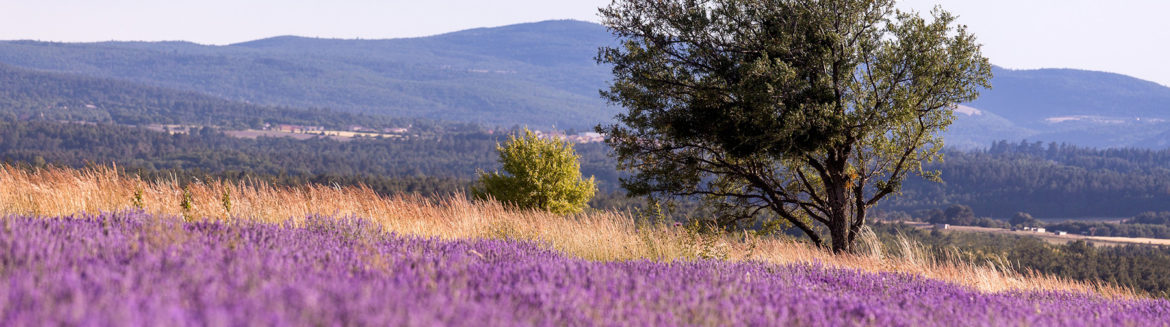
(594, 236)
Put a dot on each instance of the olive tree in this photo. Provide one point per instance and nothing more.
(541, 174)
(802, 112)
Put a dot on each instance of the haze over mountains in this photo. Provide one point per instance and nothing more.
(543, 74)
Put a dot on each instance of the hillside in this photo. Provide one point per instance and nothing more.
(28, 94)
(540, 74)
(543, 74)
(1040, 98)
(1087, 108)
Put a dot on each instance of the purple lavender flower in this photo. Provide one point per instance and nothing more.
(134, 269)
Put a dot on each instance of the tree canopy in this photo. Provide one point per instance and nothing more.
(806, 112)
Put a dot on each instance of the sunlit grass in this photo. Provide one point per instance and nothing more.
(600, 235)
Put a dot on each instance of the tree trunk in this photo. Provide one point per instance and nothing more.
(838, 217)
(837, 187)
(859, 210)
(839, 230)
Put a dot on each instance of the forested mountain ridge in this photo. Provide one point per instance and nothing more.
(539, 74)
(27, 94)
(543, 74)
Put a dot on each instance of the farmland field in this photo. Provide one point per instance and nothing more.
(132, 268)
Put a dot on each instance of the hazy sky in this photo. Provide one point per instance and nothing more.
(1125, 36)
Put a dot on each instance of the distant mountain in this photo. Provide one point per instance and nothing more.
(1065, 105)
(1040, 98)
(977, 128)
(543, 74)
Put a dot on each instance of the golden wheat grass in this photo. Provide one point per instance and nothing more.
(598, 235)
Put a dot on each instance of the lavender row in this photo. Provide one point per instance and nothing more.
(134, 269)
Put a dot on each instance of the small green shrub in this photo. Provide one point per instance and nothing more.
(541, 174)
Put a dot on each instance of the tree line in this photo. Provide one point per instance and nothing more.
(1147, 224)
(208, 149)
(440, 165)
(1046, 180)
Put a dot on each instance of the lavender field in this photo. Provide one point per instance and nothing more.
(136, 269)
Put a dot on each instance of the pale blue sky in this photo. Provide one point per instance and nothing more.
(1125, 36)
